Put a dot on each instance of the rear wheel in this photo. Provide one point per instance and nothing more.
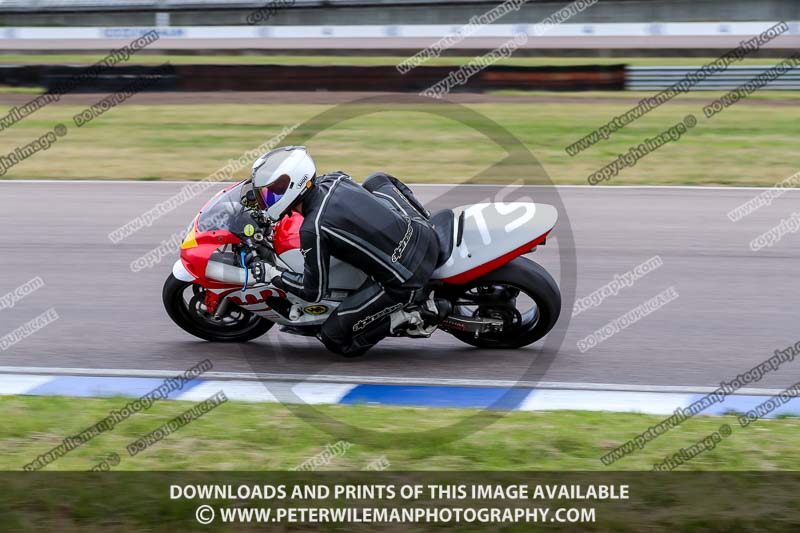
(185, 305)
(521, 294)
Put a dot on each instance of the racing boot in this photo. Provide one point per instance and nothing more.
(421, 320)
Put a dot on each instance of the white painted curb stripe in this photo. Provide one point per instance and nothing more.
(288, 392)
(652, 403)
(378, 380)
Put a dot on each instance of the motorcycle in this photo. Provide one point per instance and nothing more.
(500, 298)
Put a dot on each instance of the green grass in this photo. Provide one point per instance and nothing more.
(744, 145)
(368, 60)
(245, 437)
(21, 90)
(257, 444)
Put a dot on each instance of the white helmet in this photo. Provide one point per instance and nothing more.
(280, 178)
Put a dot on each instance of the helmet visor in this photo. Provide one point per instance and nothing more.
(269, 195)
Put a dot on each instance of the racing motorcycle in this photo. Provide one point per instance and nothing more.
(500, 298)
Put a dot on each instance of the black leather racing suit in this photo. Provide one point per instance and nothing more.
(381, 229)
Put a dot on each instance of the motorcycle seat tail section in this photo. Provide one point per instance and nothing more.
(487, 235)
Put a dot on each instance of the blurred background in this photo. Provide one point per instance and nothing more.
(574, 68)
(593, 28)
(569, 71)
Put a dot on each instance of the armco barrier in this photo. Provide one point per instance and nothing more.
(327, 78)
(659, 78)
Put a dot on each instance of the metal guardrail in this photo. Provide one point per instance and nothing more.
(659, 78)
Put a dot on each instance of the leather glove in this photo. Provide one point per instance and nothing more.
(263, 272)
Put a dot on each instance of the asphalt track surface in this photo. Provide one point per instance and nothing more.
(735, 306)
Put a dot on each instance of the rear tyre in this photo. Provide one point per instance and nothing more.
(498, 295)
(184, 303)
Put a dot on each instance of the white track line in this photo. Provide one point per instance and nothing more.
(223, 183)
(373, 380)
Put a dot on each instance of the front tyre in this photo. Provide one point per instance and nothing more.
(184, 303)
(521, 293)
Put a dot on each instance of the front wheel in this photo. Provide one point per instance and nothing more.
(521, 294)
(185, 305)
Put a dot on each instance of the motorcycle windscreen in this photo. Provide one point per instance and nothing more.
(221, 212)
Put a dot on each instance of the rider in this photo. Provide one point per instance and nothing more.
(379, 227)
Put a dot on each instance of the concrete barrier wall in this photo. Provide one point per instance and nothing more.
(426, 31)
(337, 13)
(566, 39)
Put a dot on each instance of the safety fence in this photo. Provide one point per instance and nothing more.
(389, 79)
(660, 78)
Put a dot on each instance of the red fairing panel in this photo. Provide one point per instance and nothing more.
(466, 277)
(195, 259)
(287, 233)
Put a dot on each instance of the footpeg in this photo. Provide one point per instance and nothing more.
(295, 312)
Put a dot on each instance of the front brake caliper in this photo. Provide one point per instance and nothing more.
(212, 300)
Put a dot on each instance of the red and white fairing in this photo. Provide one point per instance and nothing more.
(492, 235)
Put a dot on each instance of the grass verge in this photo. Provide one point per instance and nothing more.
(744, 145)
(248, 437)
